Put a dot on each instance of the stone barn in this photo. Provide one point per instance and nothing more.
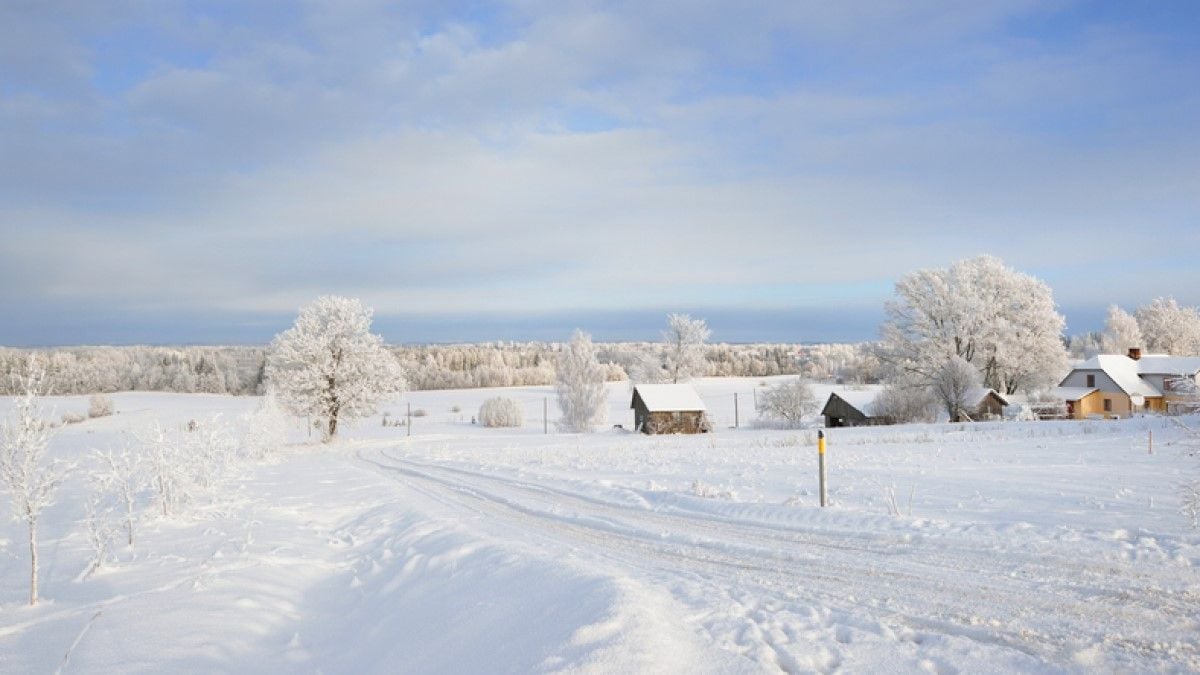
(668, 409)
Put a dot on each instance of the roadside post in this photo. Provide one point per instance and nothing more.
(735, 410)
(821, 467)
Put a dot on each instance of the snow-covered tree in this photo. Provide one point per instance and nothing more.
(30, 477)
(330, 366)
(580, 385)
(955, 381)
(1121, 332)
(120, 473)
(684, 341)
(501, 412)
(1001, 321)
(904, 400)
(165, 468)
(264, 431)
(788, 402)
(1169, 328)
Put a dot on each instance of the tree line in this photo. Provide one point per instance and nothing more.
(241, 370)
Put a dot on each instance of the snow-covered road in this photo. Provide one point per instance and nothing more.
(828, 591)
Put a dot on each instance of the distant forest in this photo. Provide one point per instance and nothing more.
(239, 370)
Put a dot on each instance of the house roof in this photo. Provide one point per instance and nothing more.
(1072, 393)
(1124, 371)
(1162, 364)
(668, 397)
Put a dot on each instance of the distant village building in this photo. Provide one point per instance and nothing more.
(1118, 385)
(668, 409)
(853, 408)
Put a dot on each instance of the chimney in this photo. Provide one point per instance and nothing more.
(1135, 353)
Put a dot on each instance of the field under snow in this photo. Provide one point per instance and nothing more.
(1052, 546)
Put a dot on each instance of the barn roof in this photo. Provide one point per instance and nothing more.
(859, 399)
(668, 397)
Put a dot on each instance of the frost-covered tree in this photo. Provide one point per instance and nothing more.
(952, 386)
(121, 474)
(1001, 321)
(330, 366)
(30, 477)
(904, 400)
(264, 431)
(1169, 328)
(788, 402)
(684, 341)
(501, 412)
(1121, 332)
(580, 385)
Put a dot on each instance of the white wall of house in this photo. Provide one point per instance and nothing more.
(1078, 378)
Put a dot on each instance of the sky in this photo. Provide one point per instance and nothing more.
(194, 172)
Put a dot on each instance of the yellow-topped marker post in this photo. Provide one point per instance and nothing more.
(821, 466)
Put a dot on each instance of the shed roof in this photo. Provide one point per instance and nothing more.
(978, 394)
(668, 397)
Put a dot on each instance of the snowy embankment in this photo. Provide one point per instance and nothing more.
(1022, 546)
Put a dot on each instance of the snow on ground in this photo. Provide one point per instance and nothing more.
(1051, 546)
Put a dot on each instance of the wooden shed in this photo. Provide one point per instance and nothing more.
(983, 404)
(668, 409)
(851, 409)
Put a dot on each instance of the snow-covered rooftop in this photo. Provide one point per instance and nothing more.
(1124, 371)
(1163, 364)
(668, 397)
(859, 398)
(976, 395)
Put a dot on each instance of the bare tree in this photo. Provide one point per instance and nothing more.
(121, 473)
(30, 476)
(789, 402)
(953, 386)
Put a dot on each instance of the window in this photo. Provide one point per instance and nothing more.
(1108, 405)
(1091, 380)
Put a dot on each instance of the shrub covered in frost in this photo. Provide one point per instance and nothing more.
(501, 412)
(100, 405)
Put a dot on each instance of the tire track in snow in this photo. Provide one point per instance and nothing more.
(1046, 605)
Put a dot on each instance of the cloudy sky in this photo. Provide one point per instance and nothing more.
(192, 172)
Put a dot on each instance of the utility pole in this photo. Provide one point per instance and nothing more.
(821, 467)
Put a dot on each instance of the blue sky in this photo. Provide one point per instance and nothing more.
(176, 171)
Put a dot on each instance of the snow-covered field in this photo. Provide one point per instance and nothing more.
(1044, 546)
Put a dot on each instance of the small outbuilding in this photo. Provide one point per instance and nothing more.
(668, 409)
(852, 408)
(983, 403)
